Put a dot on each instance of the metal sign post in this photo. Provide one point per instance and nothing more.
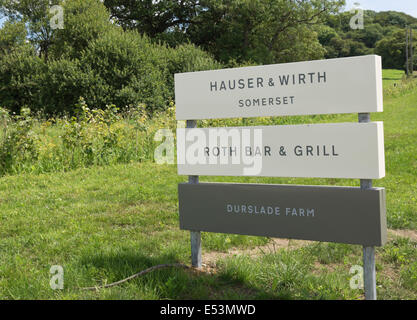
(368, 252)
(194, 235)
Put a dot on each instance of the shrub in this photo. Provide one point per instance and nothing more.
(90, 137)
(12, 35)
(94, 59)
(21, 79)
(17, 146)
(85, 21)
(187, 58)
(125, 63)
(65, 82)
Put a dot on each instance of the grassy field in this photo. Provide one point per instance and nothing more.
(104, 223)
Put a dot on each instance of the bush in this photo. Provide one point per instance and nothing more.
(126, 64)
(21, 79)
(12, 35)
(90, 137)
(85, 21)
(137, 71)
(94, 59)
(392, 50)
(188, 58)
(65, 82)
(17, 146)
(120, 68)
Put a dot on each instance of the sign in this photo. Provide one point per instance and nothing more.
(344, 85)
(342, 150)
(331, 214)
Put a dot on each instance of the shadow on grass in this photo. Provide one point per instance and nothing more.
(168, 283)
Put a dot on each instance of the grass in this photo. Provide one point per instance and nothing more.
(104, 223)
(391, 77)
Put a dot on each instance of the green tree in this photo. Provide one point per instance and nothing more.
(263, 31)
(326, 34)
(128, 66)
(392, 50)
(12, 35)
(85, 21)
(64, 82)
(369, 35)
(393, 18)
(36, 16)
(21, 78)
(154, 17)
(92, 57)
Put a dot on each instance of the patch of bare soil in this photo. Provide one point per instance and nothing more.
(412, 234)
(328, 268)
(210, 258)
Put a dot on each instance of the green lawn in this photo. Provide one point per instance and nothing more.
(392, 76)
(103, 224)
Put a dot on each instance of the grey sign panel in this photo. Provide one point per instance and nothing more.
(319, 213)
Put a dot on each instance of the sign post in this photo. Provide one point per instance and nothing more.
(368, 252)
(339, 150)
(195, 236)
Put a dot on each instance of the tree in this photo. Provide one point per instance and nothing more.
(393, 18)
(21, 78)
(129, 68)
(369, 35)
(326, 34)
(392, 50)
(263, 31)
(35, 14)
(85, 21)
(12, 35)
(154, 17)
(91, 58)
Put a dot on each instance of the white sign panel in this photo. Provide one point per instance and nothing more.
(343, 150)
(345, 85)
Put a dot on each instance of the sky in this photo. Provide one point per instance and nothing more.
(406, 6)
